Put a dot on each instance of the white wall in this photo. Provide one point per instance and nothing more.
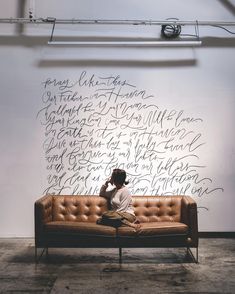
(195, 85)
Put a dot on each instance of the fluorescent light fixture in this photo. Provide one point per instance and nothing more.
(129, 43)
(163, 55)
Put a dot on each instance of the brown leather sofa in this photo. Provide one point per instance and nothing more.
(68, 221)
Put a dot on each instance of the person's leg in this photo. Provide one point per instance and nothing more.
(130, 220)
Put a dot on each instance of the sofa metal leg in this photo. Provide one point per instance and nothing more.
(120, 255)
(189, 252)
(35, 254)
(36, 257)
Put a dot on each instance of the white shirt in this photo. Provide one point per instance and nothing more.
(120, 199)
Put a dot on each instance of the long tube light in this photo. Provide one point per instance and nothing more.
(129, 43)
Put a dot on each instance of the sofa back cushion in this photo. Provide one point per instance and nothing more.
(78, 208)
(157, 208)
(88, 208)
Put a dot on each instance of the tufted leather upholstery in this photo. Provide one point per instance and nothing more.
(67, 220)
(157, 209)
(78, 208)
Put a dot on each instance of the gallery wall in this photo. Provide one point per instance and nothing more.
(69, 115)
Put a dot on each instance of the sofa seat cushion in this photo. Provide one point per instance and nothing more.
(79, 228)
(152, 229)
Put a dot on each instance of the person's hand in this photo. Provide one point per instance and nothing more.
(107, 182)
(111, 181)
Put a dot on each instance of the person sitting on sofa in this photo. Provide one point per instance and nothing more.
(120, 198)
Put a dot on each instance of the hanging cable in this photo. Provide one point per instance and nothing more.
(53, 28)
(197, 30)
(221, 27)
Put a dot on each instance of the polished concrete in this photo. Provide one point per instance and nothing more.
(98, 271)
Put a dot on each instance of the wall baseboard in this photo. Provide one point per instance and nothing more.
(216, 234)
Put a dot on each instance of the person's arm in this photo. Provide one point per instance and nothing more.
(103, 192)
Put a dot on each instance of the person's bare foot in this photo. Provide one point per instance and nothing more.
(137, 226)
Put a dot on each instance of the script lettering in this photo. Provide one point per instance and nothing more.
(93, 124)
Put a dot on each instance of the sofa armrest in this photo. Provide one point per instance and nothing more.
(42, 215)
(189, 217)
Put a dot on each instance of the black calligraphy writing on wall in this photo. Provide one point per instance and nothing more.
(97, 123)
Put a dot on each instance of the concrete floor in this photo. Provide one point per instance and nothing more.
(97, 270)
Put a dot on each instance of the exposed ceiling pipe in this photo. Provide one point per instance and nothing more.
(113, 22)
(156, 43)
